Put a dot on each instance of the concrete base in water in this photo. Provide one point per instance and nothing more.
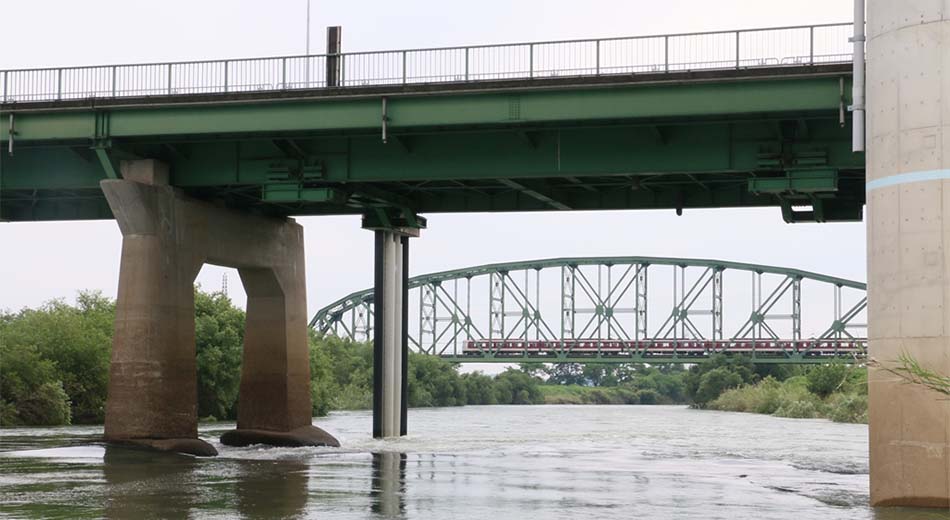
(303, 436)
(188, 446)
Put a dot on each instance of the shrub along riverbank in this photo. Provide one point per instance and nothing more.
(54, 366)
(573, 383)
(835, 392)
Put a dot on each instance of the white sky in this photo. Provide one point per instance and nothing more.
(40, 261)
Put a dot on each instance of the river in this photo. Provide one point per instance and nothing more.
(484, 462)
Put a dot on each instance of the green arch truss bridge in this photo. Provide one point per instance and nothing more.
(622, 309)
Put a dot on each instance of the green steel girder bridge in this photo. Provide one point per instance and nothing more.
(604, 310)
(744, 118)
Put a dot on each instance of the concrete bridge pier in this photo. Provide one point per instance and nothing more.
(908, 225)
(391, 330)
(167, 237)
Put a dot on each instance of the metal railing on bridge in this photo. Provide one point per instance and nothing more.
(622, 309)
(671, 53)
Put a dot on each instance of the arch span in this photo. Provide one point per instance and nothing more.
(622, 309)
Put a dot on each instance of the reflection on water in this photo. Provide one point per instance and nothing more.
(145, 482)
(389, 483)
(489, 463)
(141, 483)
(269, 489)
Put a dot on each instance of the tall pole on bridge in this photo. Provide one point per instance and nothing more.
(308, 30)
(306, 60)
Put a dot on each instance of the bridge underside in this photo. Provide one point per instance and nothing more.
(775, 136)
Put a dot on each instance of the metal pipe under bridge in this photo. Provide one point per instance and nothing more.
(621, 310)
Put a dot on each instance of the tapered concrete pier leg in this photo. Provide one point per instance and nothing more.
(152, 396)
(908, 224)
(167, 237)
(391, 332)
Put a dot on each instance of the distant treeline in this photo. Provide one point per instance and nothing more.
(54, 366)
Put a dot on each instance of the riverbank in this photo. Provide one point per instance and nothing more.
(576, 394)
(847, 403)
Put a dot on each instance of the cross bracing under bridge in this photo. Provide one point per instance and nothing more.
(622, 309)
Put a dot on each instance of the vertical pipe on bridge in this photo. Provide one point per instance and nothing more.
(334, 37)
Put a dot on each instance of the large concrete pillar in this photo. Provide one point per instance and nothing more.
(167, 237)
(908, 103)
(152, 395)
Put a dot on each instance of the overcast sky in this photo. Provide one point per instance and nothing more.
(40, 261)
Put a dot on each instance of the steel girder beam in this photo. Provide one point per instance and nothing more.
(802, 93)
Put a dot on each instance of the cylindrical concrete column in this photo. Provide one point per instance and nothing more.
(389, 343)
(908, 269)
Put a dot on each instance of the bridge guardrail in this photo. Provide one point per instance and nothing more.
(720, 50)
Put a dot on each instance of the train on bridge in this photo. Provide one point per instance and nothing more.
(826, 349)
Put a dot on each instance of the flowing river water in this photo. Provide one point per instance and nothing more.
(484, 462)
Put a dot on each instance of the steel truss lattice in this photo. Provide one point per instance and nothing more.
(608, 312)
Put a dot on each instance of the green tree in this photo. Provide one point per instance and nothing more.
(219, 346)
(599, 374)
(714, 383)
(669, 387)
(478, 388)
(648, 396)
(341, 373)
(515, 387)
(76, 342)
(823, 380)
(741, 366)
(566, 374)
(30, 392)
(434, 382)
(778, 372)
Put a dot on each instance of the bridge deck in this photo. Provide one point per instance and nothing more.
(729, 119)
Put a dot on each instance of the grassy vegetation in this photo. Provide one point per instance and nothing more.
(574, 383)
(835, 392)
(912, 372)
(576, 394)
